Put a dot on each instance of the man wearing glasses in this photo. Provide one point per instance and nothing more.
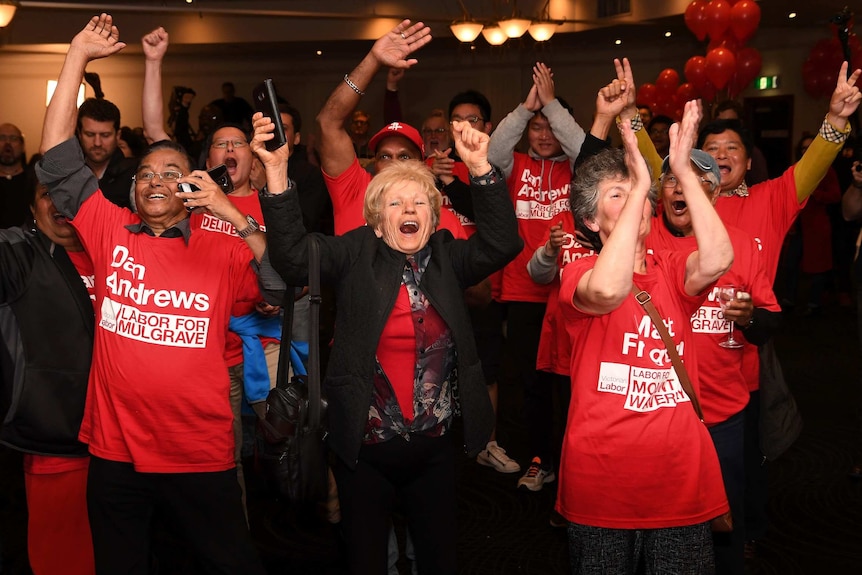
(14, 193)
(539, 184)
(157, 419)
(248, 361)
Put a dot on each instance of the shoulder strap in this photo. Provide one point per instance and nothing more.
(643, 297)
(282, 377)
(314, 338)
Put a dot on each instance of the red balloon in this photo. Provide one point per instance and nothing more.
(695, 19)
(707, 92)
(718, 17)
(855, 52)
(748, 63)
(695, 71)
(685, 92)
(814, 83)
(647, 94)
(720, 66)
(744, 19)
(667, 82)
(726, 41)
(667, 105)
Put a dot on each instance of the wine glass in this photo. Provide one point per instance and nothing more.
(727, 294)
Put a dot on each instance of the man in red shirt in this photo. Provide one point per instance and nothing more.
(157, 418)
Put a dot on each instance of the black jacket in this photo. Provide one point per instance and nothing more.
(46, 324)
(367, 276)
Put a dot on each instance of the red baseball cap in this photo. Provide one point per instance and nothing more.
(398, 129)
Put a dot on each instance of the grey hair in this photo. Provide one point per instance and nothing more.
(608, 164)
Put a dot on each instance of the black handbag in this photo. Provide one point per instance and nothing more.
(293, 435)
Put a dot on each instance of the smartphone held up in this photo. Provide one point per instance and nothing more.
(266, 101)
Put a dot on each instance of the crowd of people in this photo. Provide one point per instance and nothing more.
(439, 244)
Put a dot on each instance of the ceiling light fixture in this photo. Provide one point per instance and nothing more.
(7, 11)
(542, 29)
(515, 25)
(466, 29)
(494, 35)
(792, 15)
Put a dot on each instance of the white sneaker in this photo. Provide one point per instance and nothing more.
(495, 456)
(536, 477)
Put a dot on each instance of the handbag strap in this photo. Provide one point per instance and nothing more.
(282, 376)
(315, 299)
(643, 297)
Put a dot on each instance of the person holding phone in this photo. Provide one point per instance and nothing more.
(157, 419)
(254, 342)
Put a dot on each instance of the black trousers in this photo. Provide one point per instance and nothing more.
(524, 328)
(418, 476)
(205, 507)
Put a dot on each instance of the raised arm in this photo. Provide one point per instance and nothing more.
(603, 288)
(391, 101)
(98, 39)
(610, 101)
(509, 131)
(630, 113)
(392, 50)
(817, 159)
(155, 45)
(714, 254)
(567, 131)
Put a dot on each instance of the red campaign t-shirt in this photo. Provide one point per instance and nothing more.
(725, 376)
(459, 170)
(347, 192)
(47, 464)
(158, 394)
(635, 455)
(766, 214)
(250, 205)
(540, 194)
(555, 346)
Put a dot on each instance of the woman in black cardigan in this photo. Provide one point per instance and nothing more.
(403, 361)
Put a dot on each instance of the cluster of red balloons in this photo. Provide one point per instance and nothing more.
(728, 63)
(820, 69)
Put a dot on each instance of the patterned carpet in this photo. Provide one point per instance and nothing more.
(815, 508)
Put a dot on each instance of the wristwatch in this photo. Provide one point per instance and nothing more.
(252, 227)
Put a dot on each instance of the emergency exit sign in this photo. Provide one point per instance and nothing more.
(766, 82)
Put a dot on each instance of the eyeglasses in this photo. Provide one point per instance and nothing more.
(11, 138)
(430, 131)
(168, 176)
(472, 119)
(221, 145)
(669, 181)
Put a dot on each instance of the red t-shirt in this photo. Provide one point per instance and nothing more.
(347, 192)
(635, 455)
(158, 394)
(555, 346)
(250, 205)
(46, 464)
(540, 194)
(725, 376)
(766, 214)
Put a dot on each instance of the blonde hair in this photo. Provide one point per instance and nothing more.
(392, 175)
